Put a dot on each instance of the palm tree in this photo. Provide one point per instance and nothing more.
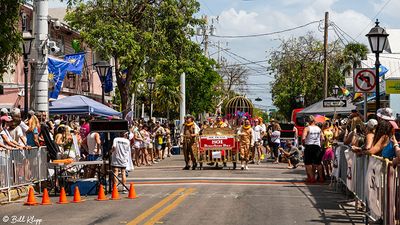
(353, 54)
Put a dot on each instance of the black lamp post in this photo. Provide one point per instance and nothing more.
(102, 68)
(377, 38)
(26, 51)
(150, 84)
(335, 91)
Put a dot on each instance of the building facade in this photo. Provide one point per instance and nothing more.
(88, 83)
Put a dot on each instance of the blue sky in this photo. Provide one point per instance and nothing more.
(243, 17)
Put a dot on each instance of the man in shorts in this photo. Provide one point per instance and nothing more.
(292, 154)
(119, 159)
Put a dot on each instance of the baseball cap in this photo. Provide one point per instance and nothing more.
(4, 110)
(6, 118)
(372, 123)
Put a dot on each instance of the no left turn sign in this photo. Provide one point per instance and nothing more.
(364, 80)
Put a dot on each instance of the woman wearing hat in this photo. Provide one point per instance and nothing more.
(385, 143)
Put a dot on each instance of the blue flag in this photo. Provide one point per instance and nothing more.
(76, 62)
(57, 69)
(108, 82)
(382, 70)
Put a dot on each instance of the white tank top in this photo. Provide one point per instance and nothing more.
(313, 136)
(94, 149)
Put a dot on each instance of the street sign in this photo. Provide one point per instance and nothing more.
(364, 80)
(334, 103)
(392, 86)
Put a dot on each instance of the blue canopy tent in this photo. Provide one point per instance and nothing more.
(80, 105)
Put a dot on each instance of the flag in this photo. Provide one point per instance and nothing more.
(57, 69)
(357, 95)
(382, 70)
(108, 81)
(76, 62)
(345, 92)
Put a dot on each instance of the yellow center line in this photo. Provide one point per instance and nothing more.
(169, 208)
(148, 212)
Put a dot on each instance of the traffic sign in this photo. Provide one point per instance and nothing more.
(364, 80)
(334, 103)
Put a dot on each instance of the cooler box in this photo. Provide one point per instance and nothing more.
(86, 186)
(176, 150)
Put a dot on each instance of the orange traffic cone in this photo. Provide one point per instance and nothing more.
(77, 196)
(101, 196)
(115, 194)
(132, 192)
(45, 198)
(63, 197)
(31, 198)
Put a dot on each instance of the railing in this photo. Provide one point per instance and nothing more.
(373, 181)
(22, 167)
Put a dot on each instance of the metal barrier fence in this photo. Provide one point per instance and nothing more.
(22, 167)
(372, 180)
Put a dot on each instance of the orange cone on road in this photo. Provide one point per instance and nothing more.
(77, 195)
(132, 192)
(101, 196)
(46, 198)
(31, 198)
(63, 197)
(115, 194)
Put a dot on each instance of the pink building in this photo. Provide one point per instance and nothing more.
(87, 84)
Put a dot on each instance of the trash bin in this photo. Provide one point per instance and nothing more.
(176, 150)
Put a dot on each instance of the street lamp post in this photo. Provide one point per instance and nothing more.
(150, 84)
(102, 68)
(335, 94)
(26, 51)
(377, 38)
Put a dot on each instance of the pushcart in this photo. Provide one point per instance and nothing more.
(217, 145)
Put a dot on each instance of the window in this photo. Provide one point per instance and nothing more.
(70, 81)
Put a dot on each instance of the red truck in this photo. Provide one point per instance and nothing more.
(299, 122)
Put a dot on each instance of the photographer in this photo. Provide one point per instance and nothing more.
(292, 154)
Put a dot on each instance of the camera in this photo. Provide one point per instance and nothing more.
(57, 25)
(53, 48)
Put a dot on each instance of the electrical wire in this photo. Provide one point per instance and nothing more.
(267, 34)
(372, 21)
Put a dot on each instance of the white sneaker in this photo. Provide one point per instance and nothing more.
(247, 168)
(242, 167)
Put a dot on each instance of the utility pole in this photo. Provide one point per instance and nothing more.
(182, 108)
(326, 55)
(205, 35)
(40, 97)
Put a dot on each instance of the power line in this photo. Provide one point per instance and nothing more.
(266, 34)
(372, 21)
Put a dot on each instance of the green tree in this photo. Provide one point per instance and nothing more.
(147, 37)
(353, 54)
(10, 37)
(298, 69)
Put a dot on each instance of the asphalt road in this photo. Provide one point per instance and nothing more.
(265, 194)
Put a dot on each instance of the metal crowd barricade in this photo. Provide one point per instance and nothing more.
(22, 167)
(379, 194)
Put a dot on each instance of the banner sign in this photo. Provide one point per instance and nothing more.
(392, 86)
(374, 186)
(217, 142)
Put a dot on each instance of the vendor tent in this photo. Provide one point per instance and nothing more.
(318, 108)
(80, 105)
